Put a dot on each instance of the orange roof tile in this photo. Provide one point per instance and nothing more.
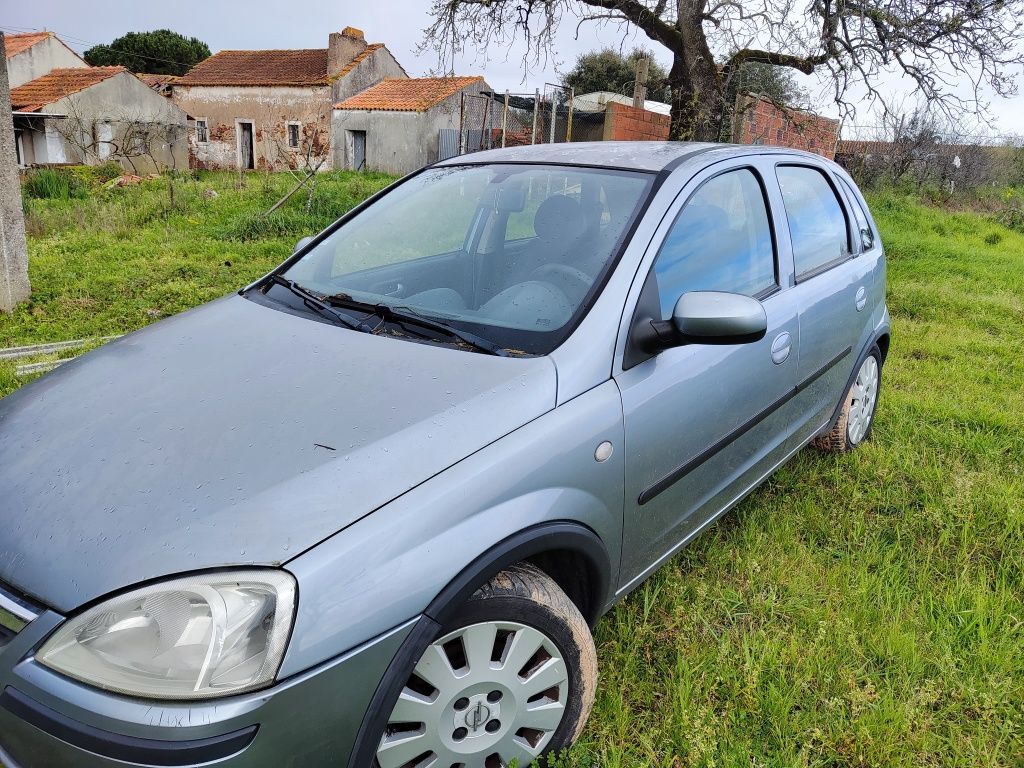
(16, 43)
(155, 81)
(56, 84)
(407, 95)
(306, 66)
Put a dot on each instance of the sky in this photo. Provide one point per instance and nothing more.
(257, 24)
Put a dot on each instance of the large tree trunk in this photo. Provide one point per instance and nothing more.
(698, 109)
(698, 93)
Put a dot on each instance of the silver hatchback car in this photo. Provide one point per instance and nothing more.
(365, 512)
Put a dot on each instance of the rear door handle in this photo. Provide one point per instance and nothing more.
(781, 347)
(862, 298)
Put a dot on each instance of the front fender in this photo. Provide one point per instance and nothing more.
(392, 564)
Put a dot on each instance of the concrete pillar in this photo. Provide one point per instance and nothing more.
(14, 286)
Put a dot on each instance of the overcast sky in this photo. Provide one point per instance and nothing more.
(256, 24)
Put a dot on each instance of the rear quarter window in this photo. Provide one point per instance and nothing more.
(865, 233)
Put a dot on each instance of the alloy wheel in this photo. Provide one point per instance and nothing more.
(863, 395)
(482, 696)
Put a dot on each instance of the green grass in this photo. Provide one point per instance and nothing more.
(124, 257)
(865, 609)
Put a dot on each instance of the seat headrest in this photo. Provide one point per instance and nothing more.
(559, 218)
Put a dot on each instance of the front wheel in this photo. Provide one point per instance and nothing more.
(510, 679)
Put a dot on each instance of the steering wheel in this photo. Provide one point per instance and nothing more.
(566, 278)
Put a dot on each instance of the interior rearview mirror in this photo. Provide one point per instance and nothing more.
(302, 243)
(509, 197)
(714, 317)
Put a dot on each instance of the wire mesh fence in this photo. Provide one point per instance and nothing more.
(549, 116)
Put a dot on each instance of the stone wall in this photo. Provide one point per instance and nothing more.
(626, 123)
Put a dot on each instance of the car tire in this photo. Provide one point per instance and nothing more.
(857, 414)
(479, 695)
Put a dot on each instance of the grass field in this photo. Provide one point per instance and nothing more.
(858, 610)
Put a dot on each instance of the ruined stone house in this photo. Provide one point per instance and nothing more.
(94, 114)
(272, 109)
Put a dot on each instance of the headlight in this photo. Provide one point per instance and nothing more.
(196, 637)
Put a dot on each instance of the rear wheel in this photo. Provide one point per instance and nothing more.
(511, 678)
(858, 412)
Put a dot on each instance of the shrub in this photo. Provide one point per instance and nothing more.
(53, 184)
(97, 175)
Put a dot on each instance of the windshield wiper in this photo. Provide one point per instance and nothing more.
(317, 304)
(405, 316)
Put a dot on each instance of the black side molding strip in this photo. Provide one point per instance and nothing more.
(115, 746)
(682, 471)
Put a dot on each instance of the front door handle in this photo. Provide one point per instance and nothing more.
(862, 298)
(781, 347)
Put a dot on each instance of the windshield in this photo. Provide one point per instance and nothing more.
(511, 253)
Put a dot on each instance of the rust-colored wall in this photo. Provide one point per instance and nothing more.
(759, 121)
(625, 123)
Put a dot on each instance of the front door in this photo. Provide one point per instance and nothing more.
(359, 150)
(245, 148)
(702, 423)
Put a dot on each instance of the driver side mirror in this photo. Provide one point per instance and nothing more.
(303, 242)
(705, 317)
(714, 317)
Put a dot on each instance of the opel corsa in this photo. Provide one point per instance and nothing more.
(365, 511)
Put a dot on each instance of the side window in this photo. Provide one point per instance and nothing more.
(866, 234)
(817, 224)
(721, 241)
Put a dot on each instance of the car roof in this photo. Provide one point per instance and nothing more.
(638, 155)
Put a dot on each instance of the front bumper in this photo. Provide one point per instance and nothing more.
(310, 719)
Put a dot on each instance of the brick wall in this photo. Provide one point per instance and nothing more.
(626, 123)
(758, 121)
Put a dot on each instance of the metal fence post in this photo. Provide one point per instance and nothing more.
(536, 109)
(462, 124)
(554, 117)
(504, 120)
(568, 127)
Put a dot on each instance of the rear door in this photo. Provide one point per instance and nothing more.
(832, 286)
(704, 423)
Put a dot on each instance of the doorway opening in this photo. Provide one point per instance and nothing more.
(358, 140)
(246, 159)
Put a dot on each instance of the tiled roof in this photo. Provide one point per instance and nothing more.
(307, 66)
(17, 43)
(156, 81)
(407, 95)
(56, 84)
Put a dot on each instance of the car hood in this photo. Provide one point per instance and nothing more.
(232, 434)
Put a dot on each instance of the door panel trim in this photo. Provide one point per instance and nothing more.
(680, 472)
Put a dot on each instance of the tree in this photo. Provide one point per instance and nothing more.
(609, 70)
(933, 43)
(161, 52)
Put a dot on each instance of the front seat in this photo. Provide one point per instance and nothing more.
(560, 225)
(558, 251)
